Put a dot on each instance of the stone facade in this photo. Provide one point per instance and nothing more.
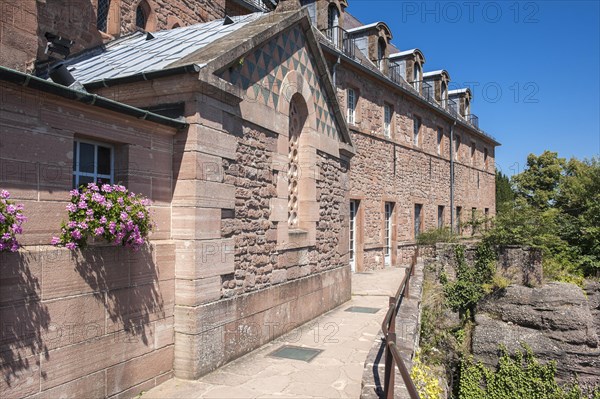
(97, 323)
(25, 22)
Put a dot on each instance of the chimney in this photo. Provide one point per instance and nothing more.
(288, 5)
(61, 75)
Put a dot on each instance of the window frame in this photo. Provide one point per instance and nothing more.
(387, 119)
(441, 216)
(351, 106)
(417, 132)
(473, 152)
(95, 175)
(418, 216)
(440, 137)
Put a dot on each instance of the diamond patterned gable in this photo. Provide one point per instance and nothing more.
(261, 74)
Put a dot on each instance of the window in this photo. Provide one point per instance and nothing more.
(457, 148)
(387, 249)
(485, 158)
(351, 106)
(487, 218)
(416, 130)
(333, 17)
(458, 219)
(417, 77)
(353, 215)
(467, 107)
(444, 95)
(418, 219)
(381, 54)
(387, 120)
(102, 15)
(473, 221)
(440, 216)
(296, 124)
(440, 136)
(473, 148)
(92, 162)
(141, 15)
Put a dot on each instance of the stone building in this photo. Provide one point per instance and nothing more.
(281, 149)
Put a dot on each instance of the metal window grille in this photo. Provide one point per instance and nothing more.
(140, 17)
(102, 15)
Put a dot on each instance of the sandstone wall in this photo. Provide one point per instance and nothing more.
(98, 322)
(393, 169)
(23, 23)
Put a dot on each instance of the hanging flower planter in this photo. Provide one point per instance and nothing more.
(108, 212)
(11, 219)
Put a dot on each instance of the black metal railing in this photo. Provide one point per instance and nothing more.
(388, 327)
(341, 39)
(473, 120)
(396, 72)
(452, 107)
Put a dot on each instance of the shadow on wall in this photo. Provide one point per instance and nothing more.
(24, 319)
(126, 283)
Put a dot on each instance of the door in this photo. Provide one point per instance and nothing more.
(388, 234)
(353, 214)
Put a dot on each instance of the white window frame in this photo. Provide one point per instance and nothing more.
(387, 234)
(416, 131)
(387, 120)
(95, 175)
(351, 105)
(353, 235)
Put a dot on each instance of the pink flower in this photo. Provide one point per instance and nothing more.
(107, 188)
(4, 194)
(74, 192)
(71, 207)
(99, 231)
(76, 234)
(82, 205)
(11, 209)
(71, 245)
(55, 241)
(103, 220)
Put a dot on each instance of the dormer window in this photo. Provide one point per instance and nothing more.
(467, 107)
(417, 77)
(381, 53)
(444, 95)
(333, 16)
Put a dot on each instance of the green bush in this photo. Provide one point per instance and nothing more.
(434, 236)
(518, 376)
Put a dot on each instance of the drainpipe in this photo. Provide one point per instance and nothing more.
(452, 177)
(337, 62)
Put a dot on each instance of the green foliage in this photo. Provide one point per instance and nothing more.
(504, 191)
(556, 209)
(433, 236)
(518, 376)
(539, 182)
(463, 294)
(425, 380)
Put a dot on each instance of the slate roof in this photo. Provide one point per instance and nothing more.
(142, 53)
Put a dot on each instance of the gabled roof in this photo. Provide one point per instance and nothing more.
(439, 72)
(407, 53)
(379, 24)
(143, 53)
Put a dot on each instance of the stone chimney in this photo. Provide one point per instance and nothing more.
(288, 5)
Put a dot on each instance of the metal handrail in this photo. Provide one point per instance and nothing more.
(341, 39)
(388, 327)
(473, 120)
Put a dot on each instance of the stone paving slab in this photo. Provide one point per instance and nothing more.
(345, 338)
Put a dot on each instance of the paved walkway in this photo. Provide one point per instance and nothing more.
(345, 338)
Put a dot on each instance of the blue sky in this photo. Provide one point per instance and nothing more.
(533, 66)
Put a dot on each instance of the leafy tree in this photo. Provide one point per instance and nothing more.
(504, 191)
(539, 182)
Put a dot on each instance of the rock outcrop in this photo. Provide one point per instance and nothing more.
(557, 321)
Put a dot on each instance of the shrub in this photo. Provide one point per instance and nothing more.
(11, 219)
(432, 237)
(109, 212)
(518, 376)
(426, 382)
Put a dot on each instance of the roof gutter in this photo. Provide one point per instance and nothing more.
(23, 79)
(139, 77)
